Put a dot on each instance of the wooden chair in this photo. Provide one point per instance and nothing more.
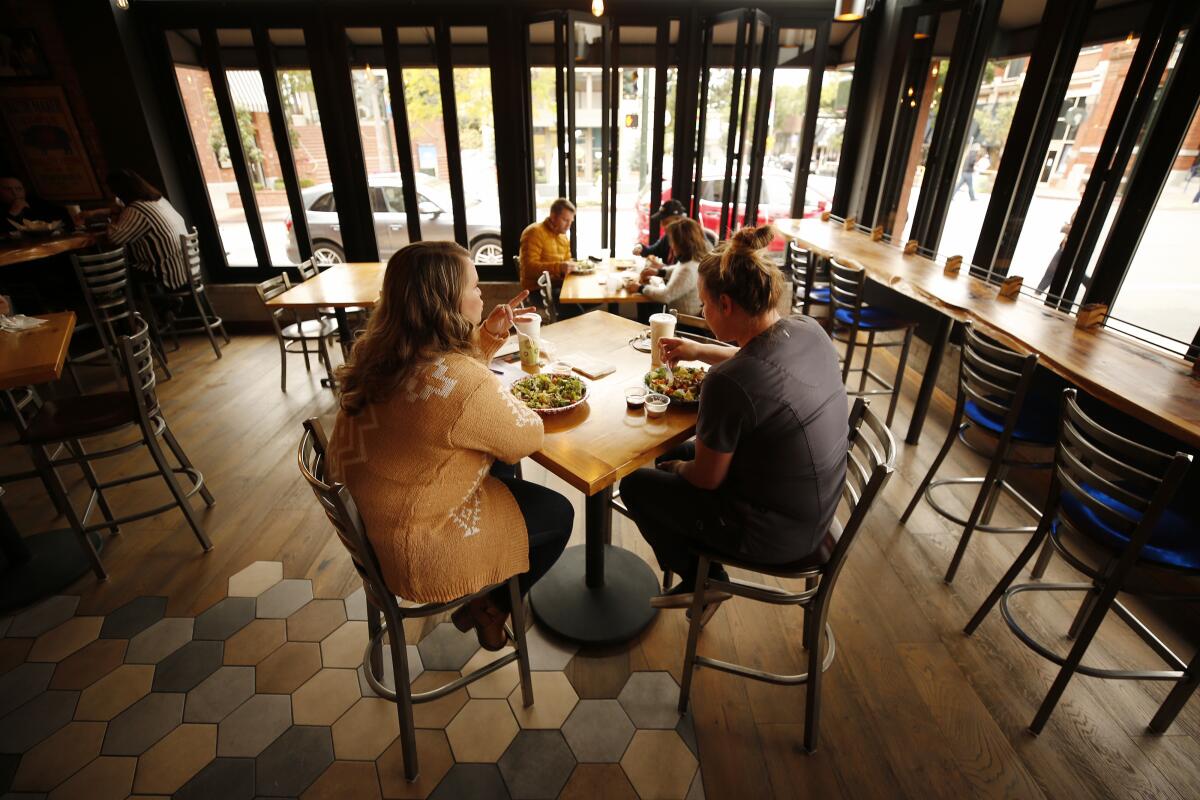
(870, 463)
(297, 333)
(852, 315)
(810, 281)
(205, 320)
(70, 420)
(1110, 516)
(546, 289)
(993, 395)
(339, 507)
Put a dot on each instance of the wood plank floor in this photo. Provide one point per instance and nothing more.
(912, 707)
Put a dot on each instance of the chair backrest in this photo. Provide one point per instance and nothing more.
(339, 507)
(270, 288)
(870, 462)
(137, 358)
(993, 377)
(307, 269)
(847, 283)
(190, 244)
(547, 289)
(104, 278)
(1092, 462)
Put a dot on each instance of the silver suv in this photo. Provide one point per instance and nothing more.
(391, 222)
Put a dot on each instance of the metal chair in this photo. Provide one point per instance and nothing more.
(847, 284)
(810, 281)
(546, 289)
(68, 421)
(1109, 516)
(993, 395)
(298, 332)
(309, 270)
(870, 463)
(205, 320)
(339, 507)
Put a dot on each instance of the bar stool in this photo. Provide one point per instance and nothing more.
(810, 281)
(205, 320)
(993, 395)
(1110, 517)
(300, 332)
(847, 284)
(870, 462)
(339, 507)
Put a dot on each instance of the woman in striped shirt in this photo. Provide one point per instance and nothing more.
(149, 227)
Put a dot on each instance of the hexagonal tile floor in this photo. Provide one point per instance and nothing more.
(263, 693)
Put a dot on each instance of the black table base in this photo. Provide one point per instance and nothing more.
(613, 612)
(56, 560)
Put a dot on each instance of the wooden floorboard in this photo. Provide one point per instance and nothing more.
(912, 707)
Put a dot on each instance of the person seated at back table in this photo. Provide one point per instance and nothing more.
(668, 212)
(688, 246)
(149, 227)
(19, 208)
(423, 437)
(764, 474)
(545, 246)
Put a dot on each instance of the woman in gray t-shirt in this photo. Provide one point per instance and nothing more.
(763, 476)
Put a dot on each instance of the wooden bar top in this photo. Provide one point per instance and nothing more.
(595, 445)
(18, 251)
(586, 288)
(1144, 382)
(37, 355)
(354, 284)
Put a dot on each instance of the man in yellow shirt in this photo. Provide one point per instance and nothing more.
(545, 246)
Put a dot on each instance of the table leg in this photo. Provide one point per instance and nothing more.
(597, 593)
(38, 566)
(937, 349)
(345, 337)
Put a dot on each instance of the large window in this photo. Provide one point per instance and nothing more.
(477, 144)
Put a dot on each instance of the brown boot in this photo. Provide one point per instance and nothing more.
(488, 620)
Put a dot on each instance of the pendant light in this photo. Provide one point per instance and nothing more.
(597, 8)
(850, 10)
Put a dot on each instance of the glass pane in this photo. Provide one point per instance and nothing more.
(785, 126)
(589, 141)
(262, 160)
(378, 135)
(423, 103)
(542, 87)
(477, 141)
(635, 118)
(831, 124)
(717, 111)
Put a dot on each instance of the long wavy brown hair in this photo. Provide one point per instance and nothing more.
(687, 240)
(416, 319)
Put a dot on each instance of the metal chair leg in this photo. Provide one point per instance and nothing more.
(1085, 608)
(518, 623)
(862, 379)
(374, 625)
(1039, 567)
(177, 449)
(689, 657)
(404, 704)
(1177, 699)
(282, 366)
(898, 383)
(955, 421)
(89, 474)
(76, 524)
(816, 674)
(981, 500)
(205, 320)
(985, 608)
(181, 499)
(851, 342)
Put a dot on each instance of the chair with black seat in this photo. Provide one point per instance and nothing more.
(851, 315)
(810, 281)
(339, 507)
(204, 320)
(994, 397)
(869, 465)
(70, 420)
(1111, 516)
(297, 332)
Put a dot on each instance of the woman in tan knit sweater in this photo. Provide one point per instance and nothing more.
(424, 437)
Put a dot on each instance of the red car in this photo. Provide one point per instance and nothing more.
(776, 203)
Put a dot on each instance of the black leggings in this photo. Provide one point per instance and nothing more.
(548, 519)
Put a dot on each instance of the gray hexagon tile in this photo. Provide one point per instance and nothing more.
(356, 605)
(476, 781)
(159, 640)
(184, 669)
(447, 648)
(37, 719)
(598, 731)
(294, 761)
(651, 700)
(546, 653)
(21, 684)
(225, 778)
(50, 613)
(255, 724)
(134, 617)
(138, 727)
(225, 618)
(284, 599)
(415, 668)
(255, 579)
(219, 694)
(536, 765)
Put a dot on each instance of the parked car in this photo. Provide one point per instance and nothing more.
(775, 203)
(391, 221)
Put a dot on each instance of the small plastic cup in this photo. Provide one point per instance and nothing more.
(635, 398)
(558, 368)
(656, 405)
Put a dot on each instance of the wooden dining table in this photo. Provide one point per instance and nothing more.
(43, 563)
(342, 286)
(1149, 384)
(604, 284)
(31, 248)
(598, 593)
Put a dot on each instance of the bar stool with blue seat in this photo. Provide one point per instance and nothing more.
(1113, 515)
(810, 280)
(847, 285)
(993, 396)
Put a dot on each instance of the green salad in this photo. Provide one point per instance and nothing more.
(544, 392)
(684, 385)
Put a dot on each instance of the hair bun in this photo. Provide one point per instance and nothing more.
(752, 239)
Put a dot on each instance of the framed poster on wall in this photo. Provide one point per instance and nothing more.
(43, 132)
